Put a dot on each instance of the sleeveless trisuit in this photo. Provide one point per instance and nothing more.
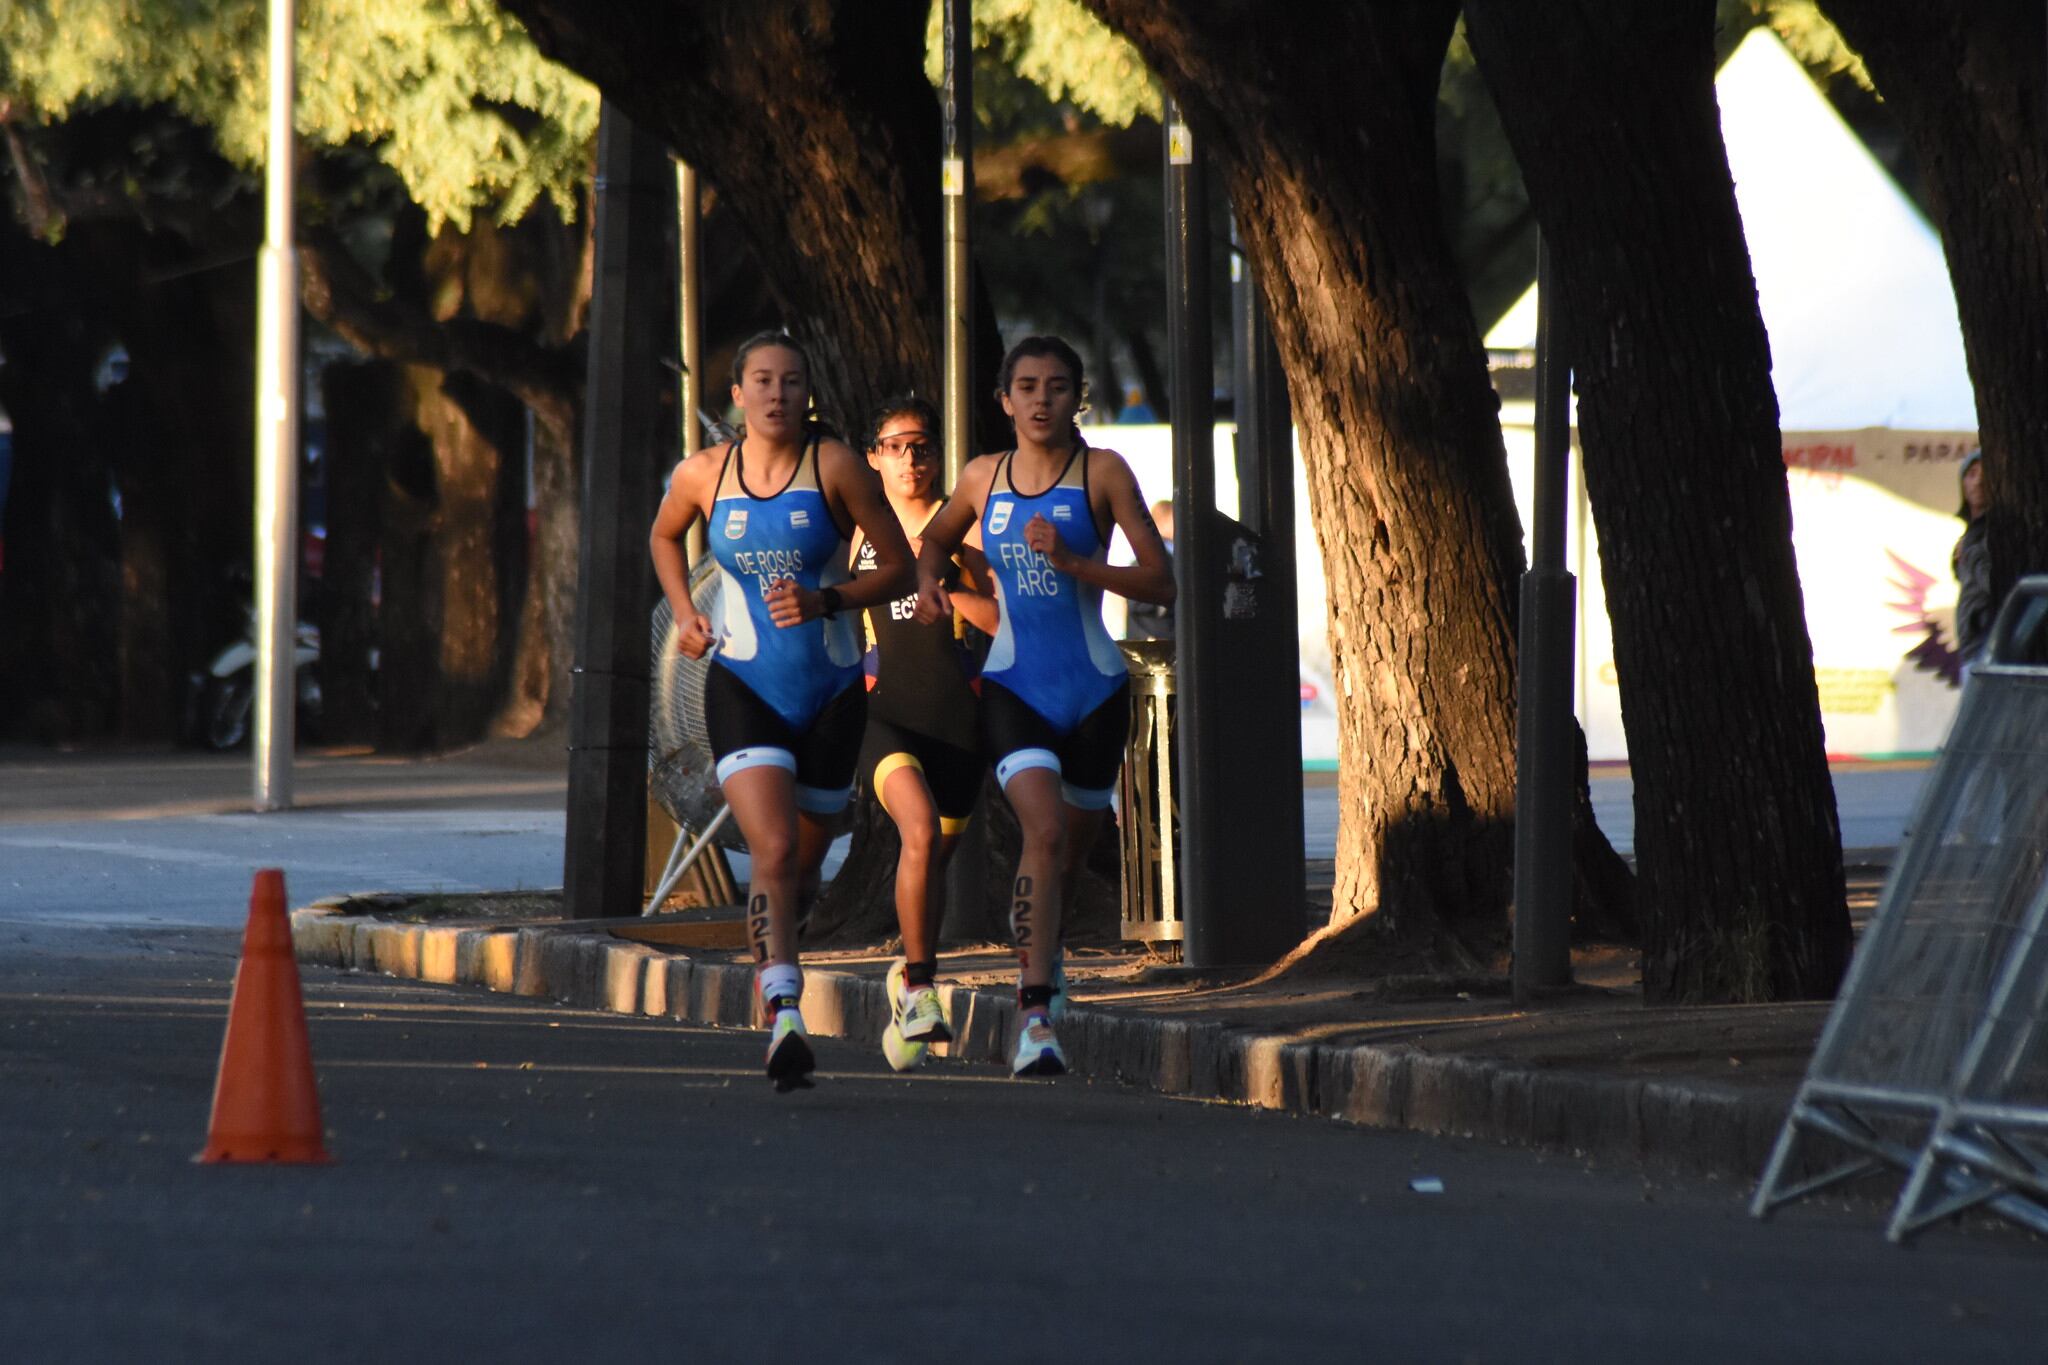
(922, 681)
(1055, 690)
(786, 696)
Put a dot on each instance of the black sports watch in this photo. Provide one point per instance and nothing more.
(829, 598)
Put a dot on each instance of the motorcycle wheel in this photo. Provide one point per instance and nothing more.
(226, 710)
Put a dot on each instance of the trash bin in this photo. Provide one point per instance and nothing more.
(1149, 815)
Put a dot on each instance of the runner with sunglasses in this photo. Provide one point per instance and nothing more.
(922, 755)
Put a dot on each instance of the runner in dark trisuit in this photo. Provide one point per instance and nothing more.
(783, 700)
(1055, 698)
(922, 755)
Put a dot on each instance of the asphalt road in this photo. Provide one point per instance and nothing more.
(517, 1182)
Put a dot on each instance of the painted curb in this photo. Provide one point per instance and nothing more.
(1697, 1128)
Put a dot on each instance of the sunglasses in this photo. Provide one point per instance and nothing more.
(911, 443)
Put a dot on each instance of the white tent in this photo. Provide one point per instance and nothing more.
(1851, 279)
(1875, 402)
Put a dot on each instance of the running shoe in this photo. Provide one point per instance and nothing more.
(901, 1053)
(922, 1017)
(917, 1019)
(1038, 1051)
(790, 1062)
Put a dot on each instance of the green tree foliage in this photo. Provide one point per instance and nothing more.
(1061, 48)
(1811, 36)
(450, 94)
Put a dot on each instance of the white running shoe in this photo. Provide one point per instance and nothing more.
(1038, 1051)
(790, 1062)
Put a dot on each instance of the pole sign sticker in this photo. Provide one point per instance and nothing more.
(953, 176)
(1180, 145)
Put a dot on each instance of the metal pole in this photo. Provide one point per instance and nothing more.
(690, 327)
(1191, 390)
(957, 174)
(277, 438)
(1543, 734)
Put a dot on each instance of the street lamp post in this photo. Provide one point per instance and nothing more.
(277, 439)
(957, 174)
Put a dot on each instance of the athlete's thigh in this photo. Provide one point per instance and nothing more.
(1035, 795)
(954, 776)
(1092, 753)
(828, 752)
(743, 729)
(904, 794)
(1010, 727)
(763, 801)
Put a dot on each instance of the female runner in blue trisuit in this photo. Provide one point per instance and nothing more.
(1055, 694)
(783, 699)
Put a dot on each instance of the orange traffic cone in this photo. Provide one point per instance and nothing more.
(265, 1106)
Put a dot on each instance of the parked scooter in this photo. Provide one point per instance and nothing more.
(227, 691)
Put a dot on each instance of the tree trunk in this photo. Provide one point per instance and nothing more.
(564, 255)
(1333, 182)
(1610, 108)
(364, 415)
(1968, 84)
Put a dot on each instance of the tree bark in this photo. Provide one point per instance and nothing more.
(1610, 108)
(364, 416)
(1321, 122)
(1969, 83)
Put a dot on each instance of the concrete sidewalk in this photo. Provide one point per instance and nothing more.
(1596, 1073)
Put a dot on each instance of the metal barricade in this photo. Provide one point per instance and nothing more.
(1987, 1143)
(1937, 963)
(1148, 818)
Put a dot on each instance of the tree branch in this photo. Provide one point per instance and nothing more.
(341, 294)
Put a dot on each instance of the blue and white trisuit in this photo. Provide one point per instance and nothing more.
(791, 696)
(1055, 691)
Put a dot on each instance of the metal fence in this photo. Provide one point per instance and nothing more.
(1946, 988)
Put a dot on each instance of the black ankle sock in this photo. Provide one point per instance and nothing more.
(920, 973)
(1034, 997)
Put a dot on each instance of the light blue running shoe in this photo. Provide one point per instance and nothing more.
(1038, 1049)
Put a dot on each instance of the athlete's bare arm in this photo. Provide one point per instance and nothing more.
(1113, 488)
(854, 489)
(974, 598)
(689, 495)
(944, 534)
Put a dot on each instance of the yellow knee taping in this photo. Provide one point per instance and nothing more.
(887, 768)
